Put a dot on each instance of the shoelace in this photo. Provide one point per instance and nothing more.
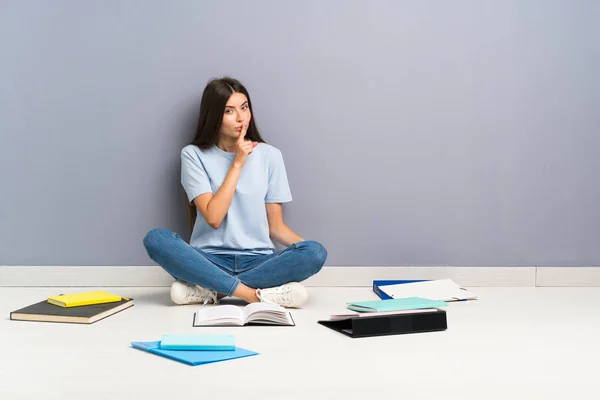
(198, 293)
(277, 295)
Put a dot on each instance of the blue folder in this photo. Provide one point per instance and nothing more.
(193, 357)
(377, 285)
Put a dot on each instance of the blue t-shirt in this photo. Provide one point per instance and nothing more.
(245, 228)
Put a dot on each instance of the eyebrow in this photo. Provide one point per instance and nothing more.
(246, 102)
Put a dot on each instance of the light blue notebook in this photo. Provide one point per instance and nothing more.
(407, 303)
(192, 357)
(197, 341)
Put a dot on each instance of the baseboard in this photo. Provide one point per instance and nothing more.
(132, 276)
(466, 276)
(40, 276)
(568, 276)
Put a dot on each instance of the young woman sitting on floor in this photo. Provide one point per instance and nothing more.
(237, 183)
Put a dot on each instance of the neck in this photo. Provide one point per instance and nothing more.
(227, 144)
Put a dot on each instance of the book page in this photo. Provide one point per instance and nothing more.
(263, 313)
(218, 313)
(258, 307)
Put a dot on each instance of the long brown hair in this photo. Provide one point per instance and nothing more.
(212, 108)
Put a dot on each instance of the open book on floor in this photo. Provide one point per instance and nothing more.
(252, 314)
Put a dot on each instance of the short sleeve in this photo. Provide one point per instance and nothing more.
(279, 188)
(194, 178)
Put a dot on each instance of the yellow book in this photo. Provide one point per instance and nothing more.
(83, 299)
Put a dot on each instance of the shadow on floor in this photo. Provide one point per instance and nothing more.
(163, 298)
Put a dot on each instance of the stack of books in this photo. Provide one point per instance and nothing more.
(75, 308)
(195, 349)
(406, 306)
(389, 317)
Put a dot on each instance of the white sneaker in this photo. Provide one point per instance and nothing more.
(291, 295)
(185, 293)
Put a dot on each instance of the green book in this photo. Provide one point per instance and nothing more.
(407, 303)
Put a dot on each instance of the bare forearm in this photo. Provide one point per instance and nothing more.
(284, 235)
(219, 204)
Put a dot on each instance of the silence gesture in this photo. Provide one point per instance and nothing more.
(243, 148)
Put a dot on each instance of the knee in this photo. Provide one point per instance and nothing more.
(317, 254)
(154, 237)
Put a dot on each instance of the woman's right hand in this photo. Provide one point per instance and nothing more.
(243, 149)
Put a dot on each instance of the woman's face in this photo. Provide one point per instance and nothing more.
(236, 116)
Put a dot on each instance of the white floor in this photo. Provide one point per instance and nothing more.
(524, 343)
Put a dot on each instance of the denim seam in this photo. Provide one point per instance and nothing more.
(233, 287)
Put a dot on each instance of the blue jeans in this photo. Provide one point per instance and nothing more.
(224, 272)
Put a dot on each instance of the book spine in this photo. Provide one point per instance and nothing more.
(399, 324)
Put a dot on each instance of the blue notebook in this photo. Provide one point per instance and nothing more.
(407, 303)
(197, 341)
(193, 357)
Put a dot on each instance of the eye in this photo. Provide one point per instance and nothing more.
(245, 107)
(228, 111)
